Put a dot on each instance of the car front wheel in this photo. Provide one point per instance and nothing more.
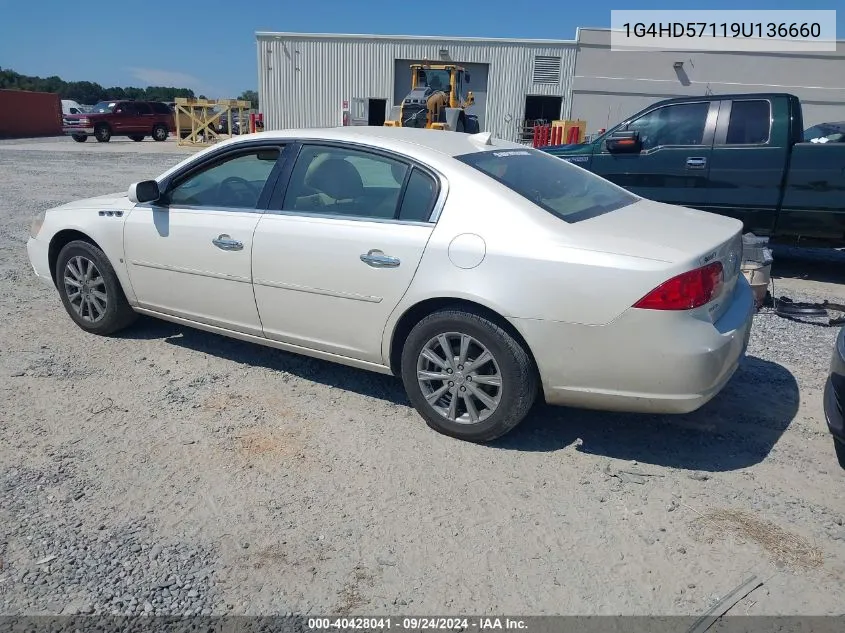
(90, 289)
(467, 376)
(102, 133)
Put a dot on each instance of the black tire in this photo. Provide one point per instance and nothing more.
(102, 133)
(839, 447)
(160, 133)
(460, 126)
(472, 124)
(117, 313)
(137, 137)
(79, 138)
(518, 377)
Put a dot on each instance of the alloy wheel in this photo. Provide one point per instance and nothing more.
(459, 377)
(86, 289)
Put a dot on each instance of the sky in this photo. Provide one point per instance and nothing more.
(209, 45)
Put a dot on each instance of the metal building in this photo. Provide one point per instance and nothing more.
(609, 85)
(305, 80)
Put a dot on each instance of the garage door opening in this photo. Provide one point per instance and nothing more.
(542, 108)
(376, 111)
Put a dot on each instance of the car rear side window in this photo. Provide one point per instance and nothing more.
(143, 108)
(160, 108)
(750, 122)
(339, 181)
(565, 190)
(419, 198)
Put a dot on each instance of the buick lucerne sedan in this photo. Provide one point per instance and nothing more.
(484, 274)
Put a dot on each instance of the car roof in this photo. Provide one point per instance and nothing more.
(401, 139)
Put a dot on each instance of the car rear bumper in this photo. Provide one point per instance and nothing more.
(70, 131)
(645, 361)
(834, 390)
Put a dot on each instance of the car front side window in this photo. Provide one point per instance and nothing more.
(235, 182)
(340, 181)
(678, 124)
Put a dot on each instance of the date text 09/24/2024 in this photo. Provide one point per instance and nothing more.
(415, 623)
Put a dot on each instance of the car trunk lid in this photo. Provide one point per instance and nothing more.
(684, 238)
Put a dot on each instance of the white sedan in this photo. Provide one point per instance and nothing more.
(485, 274)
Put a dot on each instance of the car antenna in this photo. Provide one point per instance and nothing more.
(482, 138)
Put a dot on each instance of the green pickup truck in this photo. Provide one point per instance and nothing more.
(741, 155)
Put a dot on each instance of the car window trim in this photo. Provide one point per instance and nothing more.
(221, 156)
(283, 182)
(721, 139)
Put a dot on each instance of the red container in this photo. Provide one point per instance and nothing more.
(24, 113)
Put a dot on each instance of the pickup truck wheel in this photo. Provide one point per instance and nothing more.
(160, 133)
(102, 133)
(79, 138)
(137, 137)
(90, 289)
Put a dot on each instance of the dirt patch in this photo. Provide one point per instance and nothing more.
(269, 442)
(351, 597)
(783, 546)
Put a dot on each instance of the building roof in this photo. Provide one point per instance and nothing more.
(429, 38)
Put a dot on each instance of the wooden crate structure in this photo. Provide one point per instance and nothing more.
(203, 116)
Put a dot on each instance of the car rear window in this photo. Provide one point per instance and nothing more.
(565, 190)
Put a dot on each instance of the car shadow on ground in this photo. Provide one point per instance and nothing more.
(737, 429)
(821, 265)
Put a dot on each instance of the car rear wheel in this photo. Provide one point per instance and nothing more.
(90, 289)
(102, 133)
(137, 137)
(79, 138)
(160, 133)
(467, 376)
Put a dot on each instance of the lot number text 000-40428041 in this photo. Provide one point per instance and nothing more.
(414, 623)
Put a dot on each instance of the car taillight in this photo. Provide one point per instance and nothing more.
(686, 291)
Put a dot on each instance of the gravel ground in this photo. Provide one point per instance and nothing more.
(171, 471)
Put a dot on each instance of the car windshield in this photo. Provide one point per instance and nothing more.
(104, 106)
(825, 133)
(569, 192)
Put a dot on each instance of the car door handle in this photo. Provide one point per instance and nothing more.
(377, 259)
(696, 163)
(226, 243)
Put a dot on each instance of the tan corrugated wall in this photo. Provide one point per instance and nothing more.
(303, 80)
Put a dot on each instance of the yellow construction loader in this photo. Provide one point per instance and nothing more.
(438, 100)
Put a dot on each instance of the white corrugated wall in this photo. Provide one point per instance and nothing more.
(303, 80)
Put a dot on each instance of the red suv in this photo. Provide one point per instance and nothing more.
(135, 119)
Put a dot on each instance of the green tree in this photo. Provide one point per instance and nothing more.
(87, 91)
(251, 96)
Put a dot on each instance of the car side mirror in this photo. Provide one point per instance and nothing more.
(144, 191)
(624, 142)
